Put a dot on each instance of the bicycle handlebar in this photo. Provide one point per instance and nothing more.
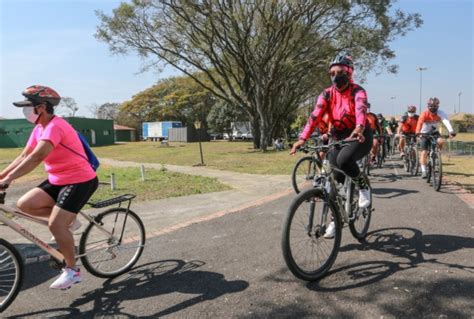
(329, 146)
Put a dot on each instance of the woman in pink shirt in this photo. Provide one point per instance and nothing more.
(71, 179)
(346, 104)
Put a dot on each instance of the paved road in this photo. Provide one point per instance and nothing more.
(417, 262)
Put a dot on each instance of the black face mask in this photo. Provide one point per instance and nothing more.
(340, 80)
(433, 109)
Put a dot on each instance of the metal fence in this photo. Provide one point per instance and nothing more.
(460, 148)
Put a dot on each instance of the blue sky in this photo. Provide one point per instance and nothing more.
(51, 42)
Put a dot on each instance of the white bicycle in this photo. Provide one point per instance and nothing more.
(109, 246)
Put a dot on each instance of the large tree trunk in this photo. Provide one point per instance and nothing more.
(255, 122)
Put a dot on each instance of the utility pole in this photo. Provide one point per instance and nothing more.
(459, 105)
(421, 69)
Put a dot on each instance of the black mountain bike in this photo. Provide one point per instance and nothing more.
(435, 166)
(410, 161)
(309, 255)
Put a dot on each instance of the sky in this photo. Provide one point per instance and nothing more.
(51, 42)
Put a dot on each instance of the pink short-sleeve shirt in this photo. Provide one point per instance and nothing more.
(64, 167)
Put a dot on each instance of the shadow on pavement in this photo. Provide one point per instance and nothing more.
(393, 192)
(407, 243)
(150, 280)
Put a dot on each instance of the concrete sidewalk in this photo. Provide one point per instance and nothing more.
(165, 215)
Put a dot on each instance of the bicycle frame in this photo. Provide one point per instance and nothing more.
(330, 188)
(4, 210)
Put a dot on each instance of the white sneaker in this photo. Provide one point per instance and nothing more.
(364, 198)
(330, 231)
(72, 228)
(68, 278)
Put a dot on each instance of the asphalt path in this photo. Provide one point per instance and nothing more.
(417, 262)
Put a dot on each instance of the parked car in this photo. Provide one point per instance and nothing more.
(247, 136)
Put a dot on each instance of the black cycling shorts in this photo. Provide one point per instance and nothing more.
(70, 197)
(425, 143)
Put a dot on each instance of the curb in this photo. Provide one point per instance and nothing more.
(32, 255)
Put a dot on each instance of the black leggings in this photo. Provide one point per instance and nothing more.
(346, 157)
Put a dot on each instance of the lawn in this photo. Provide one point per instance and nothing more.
(464, 137)
(158, 184)
(223, 155)
(460, 169)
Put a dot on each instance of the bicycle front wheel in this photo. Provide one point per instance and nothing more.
(309, 255)
(360, 219)
(303, 174)
(436, 171)
(414, 162)
(11, 274)
(114, 245)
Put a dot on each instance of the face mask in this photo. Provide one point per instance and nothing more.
(411, 114)
(30, 115)
(433, 109)
(340, 80)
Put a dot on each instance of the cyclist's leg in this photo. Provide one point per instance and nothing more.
(402, 145)
(440, 142)
(59, 226)
(40, 200)
(425, 146)
(70, 200)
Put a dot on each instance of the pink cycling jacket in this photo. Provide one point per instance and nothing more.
(346, 109)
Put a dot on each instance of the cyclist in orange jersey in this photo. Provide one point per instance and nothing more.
(428, 123)
(408, 123)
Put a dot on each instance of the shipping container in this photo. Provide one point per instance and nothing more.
(157, 131)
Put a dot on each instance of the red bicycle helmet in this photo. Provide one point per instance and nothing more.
(39, 94)
(411, 109)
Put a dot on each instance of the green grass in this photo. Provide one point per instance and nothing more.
(464, 137)
(158, 184)
(7, 155)
(460, 169)
(223, 155)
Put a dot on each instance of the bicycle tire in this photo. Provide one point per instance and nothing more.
(360, 235)
(311, 172)
(414, 162)
(437, 171)
(428, 171)
(90, 264)
(406, 160)
(9, 255)
(286, 244)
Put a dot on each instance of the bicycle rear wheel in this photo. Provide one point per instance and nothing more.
(436, 171)
(309, 255)
(11, 274)
(360, 219)
(303, 174)
(413, 162)
(114, 252)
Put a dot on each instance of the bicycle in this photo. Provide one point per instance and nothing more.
(435, 166)
(309, 214)
(411, 160)
(305, 168)
(110, 245)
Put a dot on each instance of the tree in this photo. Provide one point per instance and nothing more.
(177, 99)
(263, 56)
(108, 111)
(68, 106)
(222, 115)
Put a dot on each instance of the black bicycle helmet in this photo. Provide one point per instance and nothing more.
(38, 94)
(342, 59)
(411, 109)
(433, 104)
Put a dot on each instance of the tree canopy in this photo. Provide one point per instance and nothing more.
(265, 57)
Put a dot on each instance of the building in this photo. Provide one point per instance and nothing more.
(15, 132)
(125, 133)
